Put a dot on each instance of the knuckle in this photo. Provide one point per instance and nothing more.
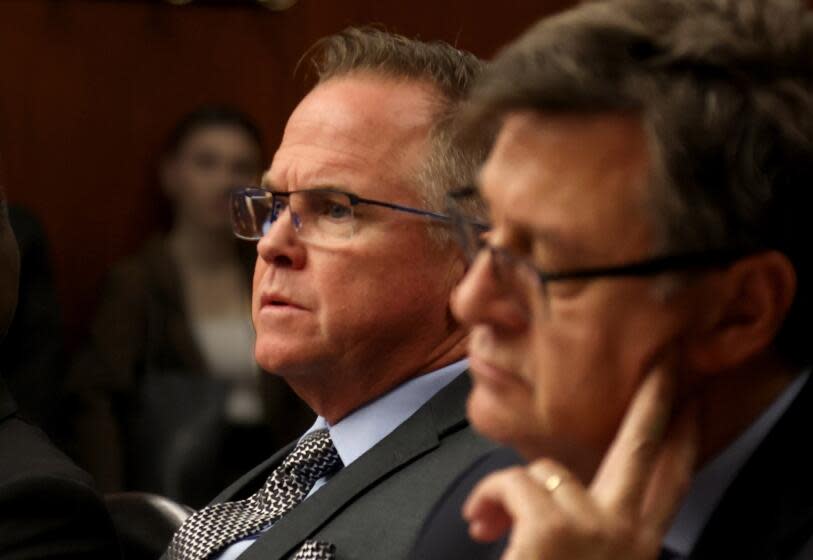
(544, 468)
(548, 465)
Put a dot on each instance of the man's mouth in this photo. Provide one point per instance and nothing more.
(491, 372)
(274, 300)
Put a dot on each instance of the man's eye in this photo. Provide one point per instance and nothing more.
(337, 211)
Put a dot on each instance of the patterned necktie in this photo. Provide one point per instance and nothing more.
(316, 550)
(218, 525)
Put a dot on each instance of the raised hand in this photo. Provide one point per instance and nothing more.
(626, 510)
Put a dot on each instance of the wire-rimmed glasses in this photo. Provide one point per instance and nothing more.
(321, 215)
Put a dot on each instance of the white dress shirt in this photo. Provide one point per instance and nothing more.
(358, 432)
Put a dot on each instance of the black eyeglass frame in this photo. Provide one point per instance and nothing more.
(654, 266)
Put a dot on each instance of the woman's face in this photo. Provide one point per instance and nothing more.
(209, 163)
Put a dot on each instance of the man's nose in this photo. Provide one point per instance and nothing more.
(481, 299)
(280, 245)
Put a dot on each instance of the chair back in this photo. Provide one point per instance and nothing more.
(145, 522)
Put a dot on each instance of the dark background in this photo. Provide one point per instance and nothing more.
(89, 89)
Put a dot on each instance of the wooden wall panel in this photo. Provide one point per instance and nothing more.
(88, 90)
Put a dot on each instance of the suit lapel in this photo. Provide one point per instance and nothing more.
(419, 435)
(767, 511)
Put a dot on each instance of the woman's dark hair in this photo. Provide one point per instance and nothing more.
(211, 116)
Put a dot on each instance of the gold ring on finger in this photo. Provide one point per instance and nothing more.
(553, 482)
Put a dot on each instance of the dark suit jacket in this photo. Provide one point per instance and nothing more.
(48, 507)
(31, 354)
(373, 508)
(767, 513)
(445, 535)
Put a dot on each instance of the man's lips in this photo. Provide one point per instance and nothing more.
(273, 300)
(490, 372)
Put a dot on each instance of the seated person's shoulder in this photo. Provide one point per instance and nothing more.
(445, 533)
(48, 506)
(28, 453)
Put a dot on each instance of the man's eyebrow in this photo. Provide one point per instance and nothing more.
(551, 238)
(269, 186)
(265, 182)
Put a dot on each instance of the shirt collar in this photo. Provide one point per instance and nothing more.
(711, 482)
(359, 431)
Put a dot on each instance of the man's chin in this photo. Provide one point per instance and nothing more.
(276, 360)
(494, 417)
(288, 360)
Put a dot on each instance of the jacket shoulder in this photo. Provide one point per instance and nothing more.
(48, 506)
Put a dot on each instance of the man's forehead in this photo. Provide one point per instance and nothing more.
(353, 126)
(362, 101)
(543, 147)
(567, 173)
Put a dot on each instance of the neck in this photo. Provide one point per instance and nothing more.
(334, 391)
(199, 246)
(730, 403)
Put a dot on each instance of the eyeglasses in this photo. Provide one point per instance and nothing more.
(519, 273)
(317, 215)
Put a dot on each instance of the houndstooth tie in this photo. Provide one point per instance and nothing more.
(316, 550)
(218, 525)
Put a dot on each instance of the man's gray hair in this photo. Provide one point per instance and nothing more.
(723, 88)
(451, 71)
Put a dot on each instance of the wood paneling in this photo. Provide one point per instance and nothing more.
(88, 90)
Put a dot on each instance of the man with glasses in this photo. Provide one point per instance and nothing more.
(646, 273)
(356, 264)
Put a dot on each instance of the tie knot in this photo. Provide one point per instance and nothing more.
(313, 457)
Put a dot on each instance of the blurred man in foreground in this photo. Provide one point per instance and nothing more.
(648, 274)
(48, 506)
(356, 263)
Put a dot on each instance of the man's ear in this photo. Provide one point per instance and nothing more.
(745, 307)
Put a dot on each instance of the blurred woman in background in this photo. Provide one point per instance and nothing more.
(168, 397)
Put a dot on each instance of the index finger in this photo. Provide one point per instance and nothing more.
(622, 478)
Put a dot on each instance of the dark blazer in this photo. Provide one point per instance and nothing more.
(31, 354)
(767, 513)
(445, 535)
(374, 508)
(48, 507)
